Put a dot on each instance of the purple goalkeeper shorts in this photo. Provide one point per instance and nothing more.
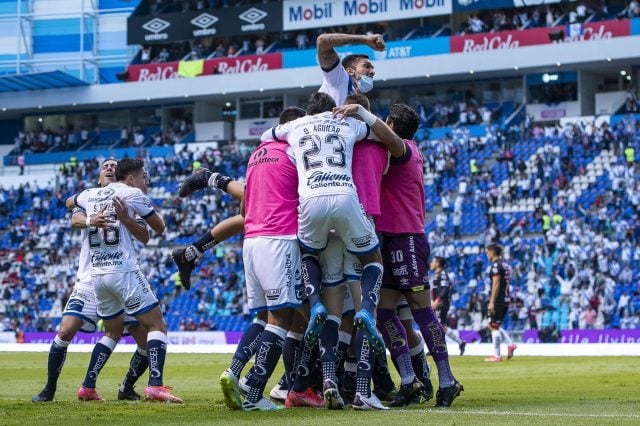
(406, 262)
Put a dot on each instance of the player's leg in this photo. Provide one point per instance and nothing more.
(416, 291)
(282, 293)
(506, 338)
(344, 340)
(396, 341)
(315, 217)
(113, 326)
(185, 258)
(79, 313)
(290, 356)
(433, 334)
(139, 362)
(416, 352)
(451, 334)
(495, 321)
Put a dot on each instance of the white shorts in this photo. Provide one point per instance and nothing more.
(338, 265)
(272, 273)
(124, 292)
(344, 213)
(82, 304)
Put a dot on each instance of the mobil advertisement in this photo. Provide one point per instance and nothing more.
(395, 50)
(503, 40)
(303, 14)
(231, 65)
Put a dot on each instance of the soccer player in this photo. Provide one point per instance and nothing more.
(323, 146)
(80, 313)
(500, 273)
(118, 282)
(441, 298)
(405, 253)
(270, 208)
(355, 74)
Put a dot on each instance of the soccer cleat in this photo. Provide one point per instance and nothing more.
(308, 398)
(462, 346)
(161, 394)
(229, 385)
(493, 358)
(185, 268)
(318, 316)
(196, 181)
(243, 387)
(332, 398)
(347, 394)
(406, 393)
(46, 395)
(278, 394)
(363, 320)
(128, 395)
(88, 394)
(511, 349)
(424, 395)
(263, 404)
(361, 402)
(383, 394)
(445, 397)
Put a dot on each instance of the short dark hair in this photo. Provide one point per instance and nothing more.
(495, 248)
(358, 98)
(291, 113)
(128, 166)
(405, 120)
(441, 261)
(349, 61)
(320, 102)
(109, 159)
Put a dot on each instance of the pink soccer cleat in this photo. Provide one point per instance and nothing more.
(308, 398)
(161, 394)
(510, 349)
(493, 358)
(88, 394)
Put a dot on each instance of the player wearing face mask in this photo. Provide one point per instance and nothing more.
(356, 73)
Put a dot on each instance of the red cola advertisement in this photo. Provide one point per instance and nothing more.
(514, 39)
(237, 65)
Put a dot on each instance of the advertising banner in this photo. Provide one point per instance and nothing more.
(395, 50)
(175, 338)
(304, 14)
(588, 336)
(223, 22)
(503, 40)
(552, 112)
(238, 65)
(253, 128)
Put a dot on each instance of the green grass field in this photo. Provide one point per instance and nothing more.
(525, 390)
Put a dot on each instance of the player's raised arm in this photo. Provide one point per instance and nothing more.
(326, 44)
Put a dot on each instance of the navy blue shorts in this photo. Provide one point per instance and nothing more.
(406, 262)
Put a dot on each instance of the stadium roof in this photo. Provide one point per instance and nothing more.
(39, 81)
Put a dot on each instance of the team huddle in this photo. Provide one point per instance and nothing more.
(335, 254)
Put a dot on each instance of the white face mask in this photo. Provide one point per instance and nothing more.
(365, 84)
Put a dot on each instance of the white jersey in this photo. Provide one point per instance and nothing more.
(323, 149)
(112, 249)
(336, 83)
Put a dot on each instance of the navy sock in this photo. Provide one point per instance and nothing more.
(329, 344)
(366, 358)
(342, 354)
(420, 363)
(137, 367)
(350, 372)
(267, 358)
(311, 278)
(156, 354)
(304, 368)
(282, 383)
(371, 282)
(99, 356)
(57, 356)
(290, 355)
(205, 242)
(246, 347)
